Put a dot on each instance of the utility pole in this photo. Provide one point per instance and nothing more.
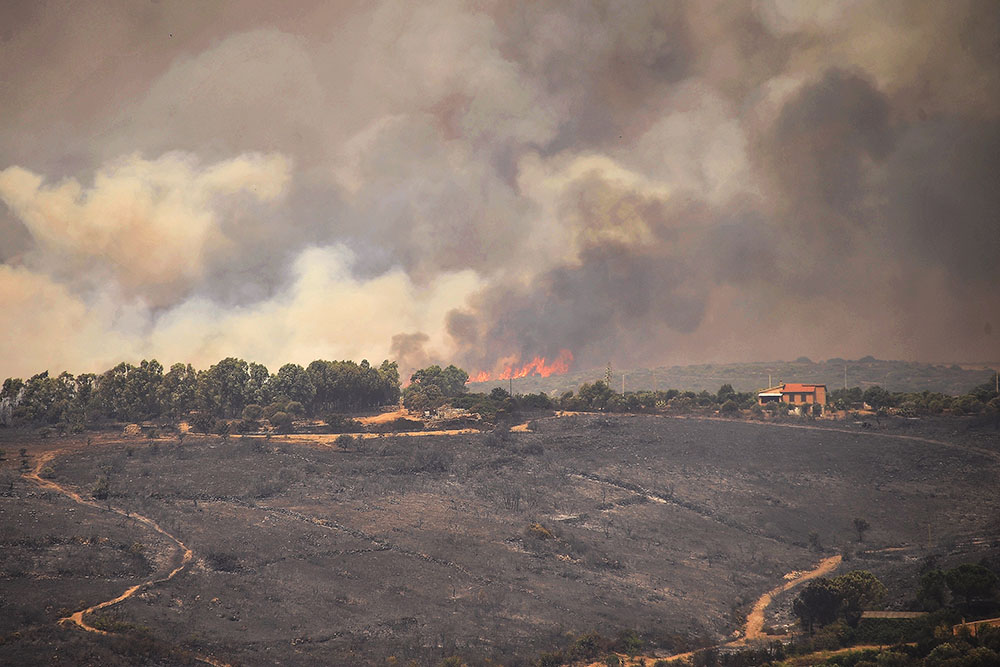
(510, 385)
(623, 385)
(845, 377)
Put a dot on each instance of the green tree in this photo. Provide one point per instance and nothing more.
(345, 385)
(858, 590)
(933, 591)
(281, 421)
(725, 393)
(178, 390)
(450, 381)
(223, 388)
(85, 406)
(140, 397)
(111, 391)
(258, 390)
(878, 398)
(971, 581)
(292, 383)
(817, 604)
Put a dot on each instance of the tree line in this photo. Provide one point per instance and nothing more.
(225, 390)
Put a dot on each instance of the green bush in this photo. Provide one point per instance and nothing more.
(339, 423)
(281, 421)
(203, 422)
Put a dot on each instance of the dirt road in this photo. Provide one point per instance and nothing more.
(755, 620)
(77, 618)
(753, 630)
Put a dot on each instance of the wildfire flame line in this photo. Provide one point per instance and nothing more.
(537, 366)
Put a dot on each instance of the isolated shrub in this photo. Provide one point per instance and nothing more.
(401, 425)
(252, 412)
(498, 394)
(101, 489)
(222, 561)
(265, 487)
(551, 659)
(588, 646)
(533, 449)
(539, 401)
(431, 461)
(540, 532)
(629, 642)
(339, 423)
(281, 421)
(276, 406)
(247, 425)
(203, 422)
(344, 441)
(498, 438)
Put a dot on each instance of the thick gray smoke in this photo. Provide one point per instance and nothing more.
(485, 183)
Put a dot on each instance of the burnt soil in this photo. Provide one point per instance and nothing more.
(492, 548)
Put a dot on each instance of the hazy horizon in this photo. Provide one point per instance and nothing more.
(650, 184)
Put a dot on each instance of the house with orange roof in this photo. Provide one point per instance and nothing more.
(794, 394)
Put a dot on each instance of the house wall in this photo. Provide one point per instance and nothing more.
(821, 395)
(818, 395)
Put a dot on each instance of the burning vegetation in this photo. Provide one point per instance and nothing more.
(537, 366)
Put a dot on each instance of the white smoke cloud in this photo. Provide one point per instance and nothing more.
(45, 326)
(324, 313)
(149, 225)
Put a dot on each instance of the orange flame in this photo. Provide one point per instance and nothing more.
(537, 366)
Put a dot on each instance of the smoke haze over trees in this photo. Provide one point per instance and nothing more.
(650, 183)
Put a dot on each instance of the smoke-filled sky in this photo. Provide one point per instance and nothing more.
(483, 182)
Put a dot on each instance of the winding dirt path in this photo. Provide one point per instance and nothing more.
(77, 618)
(753, 630)
(755, 620)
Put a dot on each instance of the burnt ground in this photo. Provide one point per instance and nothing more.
(417, 548)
